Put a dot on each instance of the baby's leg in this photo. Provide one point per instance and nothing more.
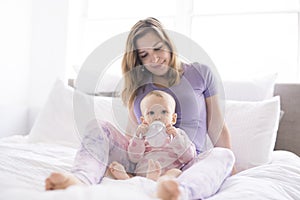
(118, 171)
(154, 170)
(61, 181)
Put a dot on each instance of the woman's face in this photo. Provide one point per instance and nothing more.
(153, 53)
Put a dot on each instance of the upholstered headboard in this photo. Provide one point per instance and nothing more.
(288, 137)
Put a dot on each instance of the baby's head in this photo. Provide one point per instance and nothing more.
(158, 106)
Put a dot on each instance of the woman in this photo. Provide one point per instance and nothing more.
(150, 63)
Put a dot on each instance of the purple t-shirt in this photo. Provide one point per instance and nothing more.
(196, 84)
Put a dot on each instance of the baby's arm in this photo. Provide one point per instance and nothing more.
(183, 146)
(136, 149)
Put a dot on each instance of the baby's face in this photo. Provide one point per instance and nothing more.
(158, 109)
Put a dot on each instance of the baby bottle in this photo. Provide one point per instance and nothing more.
(156, 135)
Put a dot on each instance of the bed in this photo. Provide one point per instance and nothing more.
(267, 150)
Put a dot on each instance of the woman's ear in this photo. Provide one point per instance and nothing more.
(174, 118)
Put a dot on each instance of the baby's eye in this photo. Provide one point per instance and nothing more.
(151, 113)
(164, 112)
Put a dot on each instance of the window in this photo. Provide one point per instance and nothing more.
(250, 37)
(241, 37)
(93, 22)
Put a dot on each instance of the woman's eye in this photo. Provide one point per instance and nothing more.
(143, 56)
(157, 48)
(164, 112)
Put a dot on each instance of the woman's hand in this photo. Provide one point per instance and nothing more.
(142, 129)
(171, 130)
(234, 171)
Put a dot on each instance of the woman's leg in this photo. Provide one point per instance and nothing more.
(203, 178)
(90, 160)
(101, 145)
(167, 187)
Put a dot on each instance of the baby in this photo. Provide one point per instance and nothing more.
(174, 150)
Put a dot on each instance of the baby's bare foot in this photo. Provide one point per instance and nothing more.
(168, 189)
(154, 170)
(118, 171)
(60, 181)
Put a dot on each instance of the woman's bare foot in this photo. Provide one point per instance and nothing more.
(168, 189)
(118, 171)
(173, 173)
(58, 181)
(154, 170)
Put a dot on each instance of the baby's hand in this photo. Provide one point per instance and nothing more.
(171, 130)
(142, 129)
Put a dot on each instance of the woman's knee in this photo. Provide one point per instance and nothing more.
(97, 126)
(224, 153)
(93, 124)
(113, 134)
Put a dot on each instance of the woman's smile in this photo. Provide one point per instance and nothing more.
(154, 54)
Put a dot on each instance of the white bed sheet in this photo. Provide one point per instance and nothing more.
(24, 166)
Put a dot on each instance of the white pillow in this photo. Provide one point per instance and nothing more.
(255, 89)
(57, 123)
(108, 83)
(253, 127)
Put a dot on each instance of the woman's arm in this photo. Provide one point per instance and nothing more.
(217, 128)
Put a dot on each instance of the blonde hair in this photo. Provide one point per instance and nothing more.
(161, 94)
(134, 77)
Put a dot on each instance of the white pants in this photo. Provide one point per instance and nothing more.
(204, 178)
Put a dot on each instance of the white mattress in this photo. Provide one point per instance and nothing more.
(24, 166)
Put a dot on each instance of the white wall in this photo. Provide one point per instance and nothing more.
(15, 48)
(49, 36)
(33, 49)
